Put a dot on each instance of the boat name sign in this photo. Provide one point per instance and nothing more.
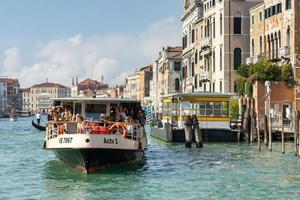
(65, 140)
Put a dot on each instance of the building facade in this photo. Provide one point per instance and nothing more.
(133, 86)
(192, 12)
(272, 38)
(14, 96)
(41, 95)
(26, 100)
(3, 97)
(222, 43)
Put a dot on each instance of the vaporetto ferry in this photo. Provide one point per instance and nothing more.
(212, 111)
(93, 139)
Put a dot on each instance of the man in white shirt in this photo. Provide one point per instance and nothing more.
(38, 118)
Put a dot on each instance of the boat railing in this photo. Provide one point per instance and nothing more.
(133, 131)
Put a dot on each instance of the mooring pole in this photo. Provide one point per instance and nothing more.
(258, 132)
(282, 136)
(265, 120)
(296, 130)
(252, 118)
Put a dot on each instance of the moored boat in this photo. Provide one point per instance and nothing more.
(211, 109)
(97, 142)
(13, 117)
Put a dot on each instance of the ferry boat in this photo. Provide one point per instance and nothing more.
(212, 111)
(98, 141)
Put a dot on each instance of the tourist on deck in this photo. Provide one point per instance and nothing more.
(141, 118)
(102, 117)
(38, 118)
(50, 115)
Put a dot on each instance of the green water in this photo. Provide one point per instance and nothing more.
(218, 171)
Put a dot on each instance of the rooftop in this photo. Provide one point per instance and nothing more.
(48, 85)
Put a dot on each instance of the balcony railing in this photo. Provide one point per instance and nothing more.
(206, 42)
(285, 52)
(190, 80)
(255, 59)
(205, 76)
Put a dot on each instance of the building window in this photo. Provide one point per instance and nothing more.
(214, 28)
(260, 45)
(252, 47)
(221, 24)
(221, 86)
(214, 61)
(260, 16)
(196, 57)
(177, 66)
(193, 69)
(196, 81)
(213, 87)
(204, 87)
(252, 19)
(237, 25)
(177, 84)
(279, 8)
(288, 37)
(237, 58)
(279, 39)
(221, 58)
(193, 35)
(288, 4)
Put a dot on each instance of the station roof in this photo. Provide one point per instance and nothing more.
(97, 99)
(198, 94)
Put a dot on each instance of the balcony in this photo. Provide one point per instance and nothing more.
(285, 52)
(206, 42)
(254, 59)
(205, 76)
(190, 80)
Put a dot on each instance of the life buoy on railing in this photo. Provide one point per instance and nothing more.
(60, 129)
(118, 128)
(100, 130)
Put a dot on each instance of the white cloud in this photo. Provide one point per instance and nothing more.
(12, 61)
(112, 55)
(76, 40)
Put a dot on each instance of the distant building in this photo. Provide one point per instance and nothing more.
(167, 74)
(14, 96)
(88, 87)
(3, 97)
(137, 84)
(26, 99)
(41, 95)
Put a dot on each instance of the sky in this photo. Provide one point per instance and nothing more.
(61, 39)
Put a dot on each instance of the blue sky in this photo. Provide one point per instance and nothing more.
(33, 30)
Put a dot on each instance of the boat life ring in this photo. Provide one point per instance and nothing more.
(118, 128)
(60, 129)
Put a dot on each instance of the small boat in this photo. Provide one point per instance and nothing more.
(38, 127)
(94, 143)
(13, 117)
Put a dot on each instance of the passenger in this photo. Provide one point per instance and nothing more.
(122, 115)
(118, 114)
(79, 118)
(141, 118)
(69, 115)
(50, 115)
(102, 117)
(58, 113)
(113, 114)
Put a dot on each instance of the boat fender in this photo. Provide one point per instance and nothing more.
(119, 127)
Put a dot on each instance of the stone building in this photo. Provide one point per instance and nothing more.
(41, 95)
(138, 84)
(88, 87)
(3, 97)
(222, 43)
(273, 38)
(167, 75)
(26, 99)
(14, 96)
(192, 12)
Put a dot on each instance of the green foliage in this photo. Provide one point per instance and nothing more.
(266, 71)
(241, 86)
(234, 109)
(287, 73)
(249, 88)
(243, 70)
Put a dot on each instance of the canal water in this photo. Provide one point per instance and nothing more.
(218, 171)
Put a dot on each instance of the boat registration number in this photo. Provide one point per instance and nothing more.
(65, 140)
(110, 141)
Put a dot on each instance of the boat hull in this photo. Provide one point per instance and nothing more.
(91, 160)
(208, 135)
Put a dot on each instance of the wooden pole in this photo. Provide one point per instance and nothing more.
(258, 133)
(282, 136)
(270, 132)
(252, 125)
(296, 130)
(265, 130)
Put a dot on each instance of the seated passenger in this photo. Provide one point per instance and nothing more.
(102, 117)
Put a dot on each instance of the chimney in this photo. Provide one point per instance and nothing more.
(72, 81)
(76, 80)
(186, 4)
(102, 79)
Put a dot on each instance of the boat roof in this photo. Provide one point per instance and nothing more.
(96, 99)
(198, 94)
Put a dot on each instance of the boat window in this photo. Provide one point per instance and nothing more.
(93, 111)
(210, 109)
(202, 112)
(77, 108)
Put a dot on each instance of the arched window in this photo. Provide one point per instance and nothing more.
(279, 39)
(288, 37)
(276, 45)
(177, 84)
(214, 27)
(196, 81)
(237, 54)
(252, 47)
(260, 45)
(272, 46)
